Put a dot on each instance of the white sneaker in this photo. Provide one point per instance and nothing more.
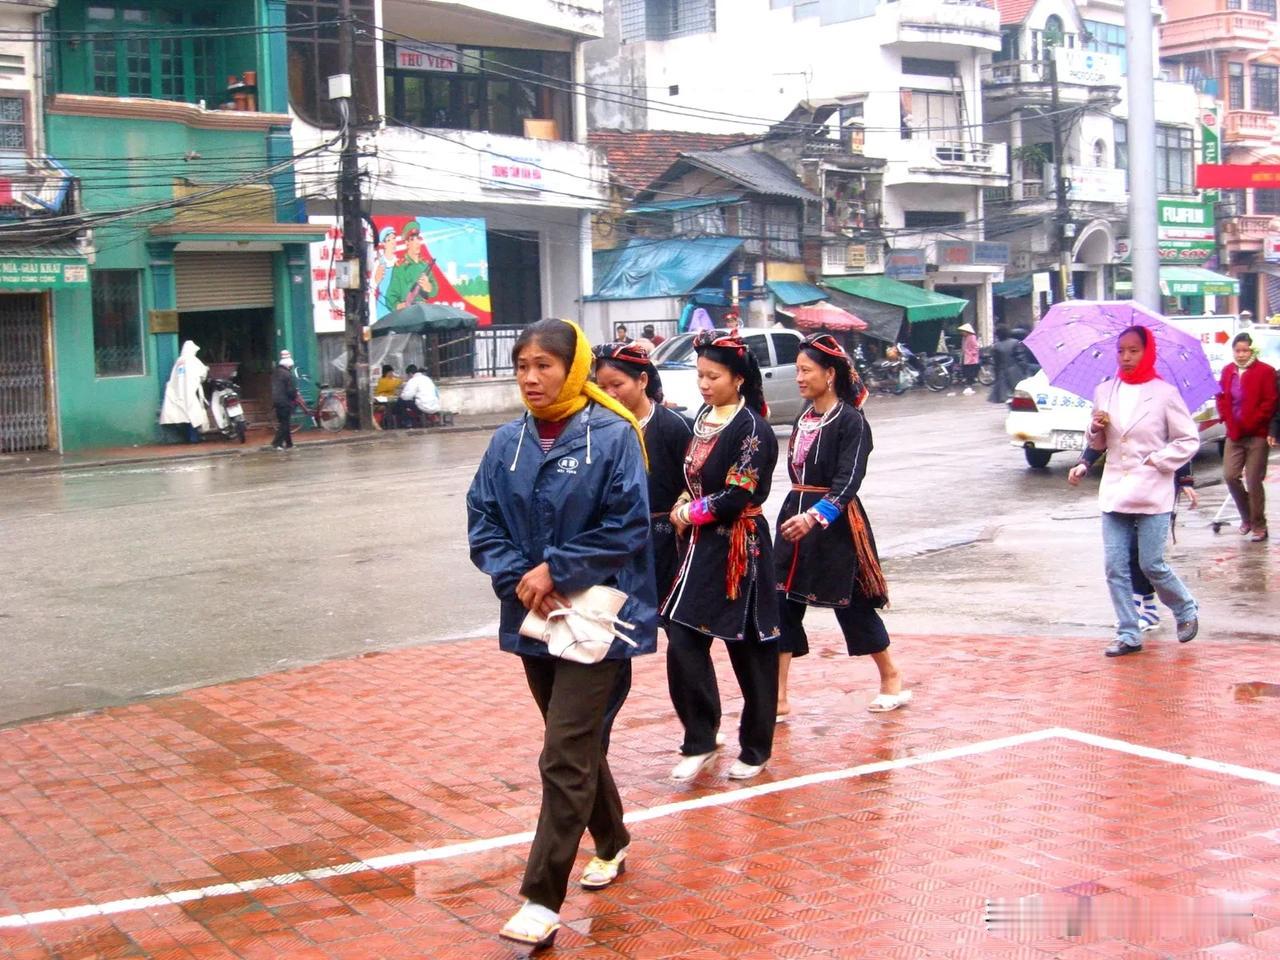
(744, 771)
(967, 391)
(690, 767)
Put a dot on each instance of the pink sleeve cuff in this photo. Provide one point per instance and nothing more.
(700, 513)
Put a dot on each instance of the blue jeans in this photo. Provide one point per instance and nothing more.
(1151, 530)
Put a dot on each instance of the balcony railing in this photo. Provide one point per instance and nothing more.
(965, 22)
(1248, 125)
(963, 153)
(34, 188)
(1247, 229)
(1225, 30)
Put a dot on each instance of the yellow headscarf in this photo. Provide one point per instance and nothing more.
(579, 389)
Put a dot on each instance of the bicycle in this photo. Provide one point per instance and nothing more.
(320, 407)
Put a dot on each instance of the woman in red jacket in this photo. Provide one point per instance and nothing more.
(1246, 404)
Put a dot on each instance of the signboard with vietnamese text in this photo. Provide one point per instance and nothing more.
(1238, 176)
(1184, 231)
(965, 253)
(1210, 145)
(1088, 68)
(905, 265)
(30, 272)
(426, 57)
(521, 173)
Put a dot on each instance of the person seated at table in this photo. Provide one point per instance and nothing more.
(419, 398)
(388, 385)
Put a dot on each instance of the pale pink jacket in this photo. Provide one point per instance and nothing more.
(1143, 455)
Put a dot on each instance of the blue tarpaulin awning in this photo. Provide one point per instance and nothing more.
(646, 268)
(792, 294)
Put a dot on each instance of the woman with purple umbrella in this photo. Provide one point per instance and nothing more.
(1143, 424)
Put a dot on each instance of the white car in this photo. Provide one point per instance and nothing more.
(775, 350)
(1044, 420)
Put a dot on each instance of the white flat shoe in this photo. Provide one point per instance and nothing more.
(744, 771)
(885, 702)
(690, 767)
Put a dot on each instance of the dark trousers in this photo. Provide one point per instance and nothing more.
(617, 697)
(283, 437)
(578, 792)
(864, 631)
(969, 372)
(691, 679)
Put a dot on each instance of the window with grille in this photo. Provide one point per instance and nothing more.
(117, 323)
(1235, 86)
(1264, 81)
(1264, 6)
(1266, 202)
(1175, 160)
(153, 52)
(13, 125)
(666, 19)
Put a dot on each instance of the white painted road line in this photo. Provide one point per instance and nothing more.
(466, 848)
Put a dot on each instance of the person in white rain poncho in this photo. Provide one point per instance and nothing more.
(184, 394)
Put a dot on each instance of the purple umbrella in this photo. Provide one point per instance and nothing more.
(1075, 343)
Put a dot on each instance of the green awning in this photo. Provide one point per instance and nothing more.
(53, 265)
(1013, 288)
(423, 318)
(791, 293)
(1189, 282)
(918, 304)
(688, 203)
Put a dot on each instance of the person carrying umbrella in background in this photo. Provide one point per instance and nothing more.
(1246, 404)
(1146, 429)
(1141, 420)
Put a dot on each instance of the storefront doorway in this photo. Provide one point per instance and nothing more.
(26, 421)
(515, 277)
(235, 336)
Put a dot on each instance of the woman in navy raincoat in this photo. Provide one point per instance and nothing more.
(559, 504)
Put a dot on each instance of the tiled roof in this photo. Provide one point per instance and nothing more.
(637, 157)
(1014, 11)
(758, 172)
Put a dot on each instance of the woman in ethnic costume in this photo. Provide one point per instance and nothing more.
(825, 552)
(724, 588)
(625, 372)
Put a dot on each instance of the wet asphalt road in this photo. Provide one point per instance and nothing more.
(137, 580)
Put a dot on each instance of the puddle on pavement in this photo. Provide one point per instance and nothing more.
(1255, 690)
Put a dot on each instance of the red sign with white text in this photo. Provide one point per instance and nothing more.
(1238, 176)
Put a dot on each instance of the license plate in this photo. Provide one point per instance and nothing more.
(1068, 440)
(235, 410)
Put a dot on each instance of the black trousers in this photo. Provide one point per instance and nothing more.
(283, 437)
(864, 631)
(691, 680)
(578, 792)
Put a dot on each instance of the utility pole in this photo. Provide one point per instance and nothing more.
(355, 299)
(1062, 215)
(1145, 255)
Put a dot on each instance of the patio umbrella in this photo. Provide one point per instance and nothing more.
(1075, 343)
(824, 316)
(423, 318)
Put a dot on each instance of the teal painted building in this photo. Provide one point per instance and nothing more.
(172, 118)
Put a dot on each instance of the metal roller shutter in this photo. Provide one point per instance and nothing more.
(223, 281)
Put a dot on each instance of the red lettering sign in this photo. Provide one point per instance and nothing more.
(1237, 176)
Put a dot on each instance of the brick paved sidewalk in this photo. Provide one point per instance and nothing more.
(1067, 775)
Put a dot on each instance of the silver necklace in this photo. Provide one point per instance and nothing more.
(648, 416)
(810, 425)
(704, 432)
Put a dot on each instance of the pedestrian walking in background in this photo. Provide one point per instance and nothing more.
(1006, 366)
(1246, 405)
(184, 393)
(970, 357)
(558, 505)
(284, 395)
(724, 587)
(626, 373)
(1147, 432)
(650, 333)
(825, 554)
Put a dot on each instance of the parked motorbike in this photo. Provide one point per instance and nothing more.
(222, 401)
(936, 370)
